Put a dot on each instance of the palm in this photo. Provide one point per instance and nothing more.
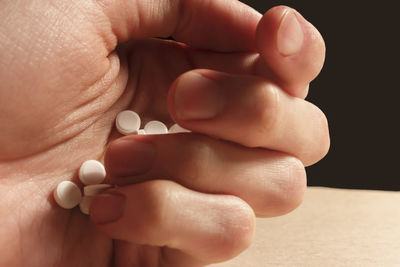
(33, 220)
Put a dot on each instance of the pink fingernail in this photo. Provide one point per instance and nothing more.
(129, 157)
(290, 34)
(197, 97)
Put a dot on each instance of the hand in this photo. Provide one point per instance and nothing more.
(63, 84)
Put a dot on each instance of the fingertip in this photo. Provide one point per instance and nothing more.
(195, 96)
(291, 47)
(268, 26)
(170, 98)
(182, 79)
(130, 156)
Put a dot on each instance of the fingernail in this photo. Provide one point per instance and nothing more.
(290, 34)
(129, 157)
(107, 208)
(197, 97)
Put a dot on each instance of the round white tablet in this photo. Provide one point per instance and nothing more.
(84, 206)
(67, 194)
(155, 127)
(178, 129)
(92, 172)
(127, 122)
(95, 189)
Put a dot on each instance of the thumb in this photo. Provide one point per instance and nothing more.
(291, 47)
(222, 25)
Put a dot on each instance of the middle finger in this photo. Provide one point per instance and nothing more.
(250, 111)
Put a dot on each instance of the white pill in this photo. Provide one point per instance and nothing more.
(127, 122)
(95, 189)
(155, 127)
(141, 132)
(92, 172)
(67, 194)
(84, 206)
(178, 129)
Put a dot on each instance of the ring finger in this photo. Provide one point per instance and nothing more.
(272, 183)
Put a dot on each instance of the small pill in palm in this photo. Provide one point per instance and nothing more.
(155, 127)
(67, 195)
(127, 122)
(92, 172)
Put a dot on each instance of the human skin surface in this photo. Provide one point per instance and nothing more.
(68, 67)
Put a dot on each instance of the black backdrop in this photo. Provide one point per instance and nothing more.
(357, 90)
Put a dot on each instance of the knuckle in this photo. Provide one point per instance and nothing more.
(324, 136)
(238, 230)
(156, 204)
(320, 140)
(195, 159)
(287, 190)
(295, 184)
(265, 113)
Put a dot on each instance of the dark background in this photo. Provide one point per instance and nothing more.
(357, 90)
